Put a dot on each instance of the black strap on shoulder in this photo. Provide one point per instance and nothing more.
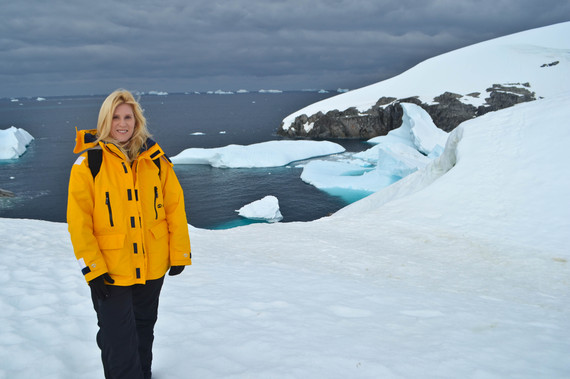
(94, 159)
(156, 160)
(157, 163)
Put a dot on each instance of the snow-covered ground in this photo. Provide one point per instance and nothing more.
(13, 142)
(458, 270)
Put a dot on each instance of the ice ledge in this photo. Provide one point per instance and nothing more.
(412, 183)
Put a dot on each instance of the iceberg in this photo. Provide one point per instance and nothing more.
(417, 131)
(13, 142)
(351, 180)
(266, 209)
(427, 137)
(264, 154)
(400, 160)
(399, 153)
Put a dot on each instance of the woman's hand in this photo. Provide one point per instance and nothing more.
(99, 287)
(175, 270)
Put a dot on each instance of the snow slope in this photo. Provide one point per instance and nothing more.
(516, 58)
(458, 270)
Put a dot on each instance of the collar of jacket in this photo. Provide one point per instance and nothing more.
(87, 139)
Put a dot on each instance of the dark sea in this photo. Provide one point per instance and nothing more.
(40, 177)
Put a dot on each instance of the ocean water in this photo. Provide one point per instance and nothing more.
(178, 121)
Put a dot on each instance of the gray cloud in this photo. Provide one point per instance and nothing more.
(84, 47)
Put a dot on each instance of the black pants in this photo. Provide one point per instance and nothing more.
(126, 329)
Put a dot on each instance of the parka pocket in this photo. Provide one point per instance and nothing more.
(112, 248)
(111, 241)
(159, 230)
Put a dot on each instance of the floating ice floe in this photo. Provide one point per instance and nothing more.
(13, 142)
(264, 154)
(266, 209)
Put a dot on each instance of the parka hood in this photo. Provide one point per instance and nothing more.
(85, 139)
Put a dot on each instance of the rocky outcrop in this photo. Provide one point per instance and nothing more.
(447, 112)
(350, 123)
(504, 96)
(5, 193)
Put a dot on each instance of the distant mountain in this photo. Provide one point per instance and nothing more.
(451, 87)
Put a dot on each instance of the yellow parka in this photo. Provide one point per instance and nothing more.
(128, 220)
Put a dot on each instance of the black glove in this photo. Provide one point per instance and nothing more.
(175, 270)
(99, 287)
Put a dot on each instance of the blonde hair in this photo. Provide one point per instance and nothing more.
(132, 147)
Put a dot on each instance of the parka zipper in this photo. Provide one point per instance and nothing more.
(155, 199)
(108, 202)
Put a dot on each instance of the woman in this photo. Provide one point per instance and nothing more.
(128, 227)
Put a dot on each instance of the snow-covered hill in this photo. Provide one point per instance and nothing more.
(526, 57)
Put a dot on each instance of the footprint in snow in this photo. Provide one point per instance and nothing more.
(348, 312)
(426, 313)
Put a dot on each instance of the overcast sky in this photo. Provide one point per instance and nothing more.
(61, 47)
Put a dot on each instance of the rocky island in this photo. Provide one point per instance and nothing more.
(447, 112)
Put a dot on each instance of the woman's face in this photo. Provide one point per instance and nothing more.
(123, 124)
